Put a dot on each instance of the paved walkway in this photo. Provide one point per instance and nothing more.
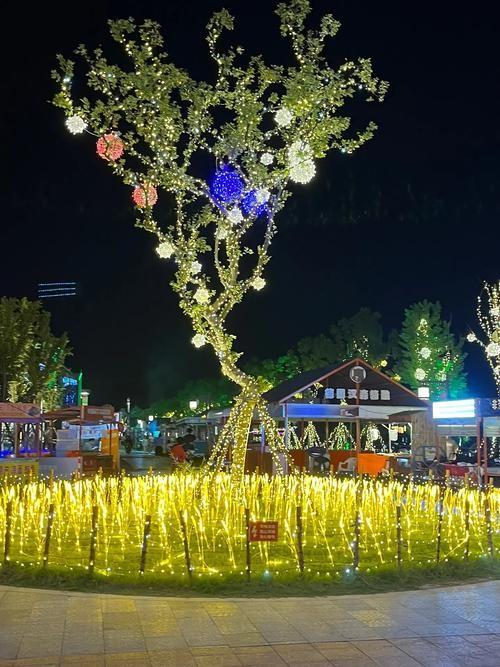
(457, 626)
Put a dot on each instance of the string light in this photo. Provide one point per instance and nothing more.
(215, 523)
(488, 315)
(213, 218)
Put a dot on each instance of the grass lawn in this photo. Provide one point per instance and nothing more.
(448, 574)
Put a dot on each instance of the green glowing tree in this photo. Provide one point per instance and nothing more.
(430, 355)
(31, 356)
(261, 127)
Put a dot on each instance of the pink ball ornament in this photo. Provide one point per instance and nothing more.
(145, 196)
(109, 147)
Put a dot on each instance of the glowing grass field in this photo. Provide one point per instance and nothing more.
(436, 524)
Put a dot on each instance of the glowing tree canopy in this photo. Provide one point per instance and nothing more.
(488, 314)
(430, 356)
(223, 156)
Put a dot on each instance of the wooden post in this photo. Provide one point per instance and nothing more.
(440, 524)
(248, 555)
(93, 538)
(48, 533)
(489, 529)
(300, 549)
(357, 527)
(8, 532)
(186, 547)
(467, 527)
(145, 540)
(398, 534)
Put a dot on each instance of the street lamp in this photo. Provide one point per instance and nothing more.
(84, 401)
(424, 393)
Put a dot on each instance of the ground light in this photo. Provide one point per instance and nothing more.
(190, 526)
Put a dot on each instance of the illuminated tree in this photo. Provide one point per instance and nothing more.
(31, 357)
(263, 127)
(430, 355)
(488, 314)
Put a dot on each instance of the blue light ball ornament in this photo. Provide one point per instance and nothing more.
(227, 185)
(250, 204)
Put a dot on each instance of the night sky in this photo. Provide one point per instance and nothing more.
(411, 215)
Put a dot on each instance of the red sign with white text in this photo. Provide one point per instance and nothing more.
(263, 531)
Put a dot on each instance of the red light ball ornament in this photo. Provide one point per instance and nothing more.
(109, 147)
(145, 196)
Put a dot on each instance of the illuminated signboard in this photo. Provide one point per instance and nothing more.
(454, 409)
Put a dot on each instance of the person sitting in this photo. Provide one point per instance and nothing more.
(177, 451)
(188, 440)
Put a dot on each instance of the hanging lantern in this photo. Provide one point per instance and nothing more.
(109, 147)
(227, 185)
(145, 196)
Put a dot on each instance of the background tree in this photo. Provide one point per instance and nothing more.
(488, 314)
(274, 371)
(263, 127)
(430, 355)
(360, 335)
(32, 358)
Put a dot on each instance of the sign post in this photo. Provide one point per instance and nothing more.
(258, 531)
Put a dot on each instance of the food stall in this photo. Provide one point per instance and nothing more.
(357, 395)
(19, 439)
(86, 441)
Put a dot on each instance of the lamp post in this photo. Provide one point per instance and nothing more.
(84, 401)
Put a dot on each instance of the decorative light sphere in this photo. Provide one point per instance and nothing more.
(202, 295)
(420, 374)
(304, 172)
(165, 249)
(235, 216)
(283, 117)
(425, 353)
(266, 159)
(495, 336)
(471, 338)
(495, 311)
(493, 350)
(251, 205)
(76, 124)
(383, 363)
(301, 163)
(195, 267)
(199, 340)
(110, 147)
(227, 185)
(222, 232)
(145, 196)
(258, 283)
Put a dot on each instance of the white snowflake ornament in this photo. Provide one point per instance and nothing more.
(258, 283)
(283, 117)
(199, 340)
(235, 216)
(76, 124)
(165, 249)
(202, 295)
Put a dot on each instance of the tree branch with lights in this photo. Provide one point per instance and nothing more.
(256, 128)
(488, 314)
